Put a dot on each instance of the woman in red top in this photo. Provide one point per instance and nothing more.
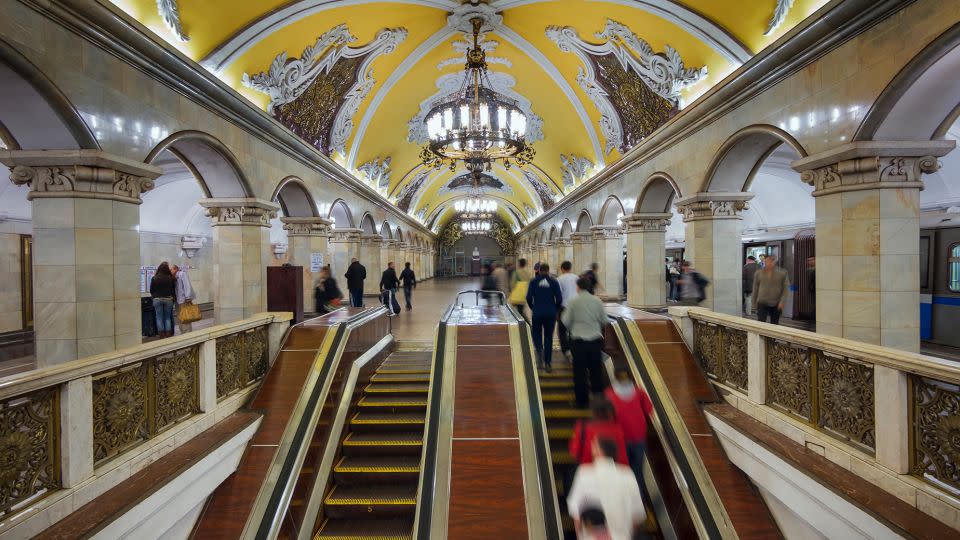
(603, 425)
(632, 406)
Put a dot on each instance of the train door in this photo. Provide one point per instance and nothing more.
(945, 298)
(803, 281)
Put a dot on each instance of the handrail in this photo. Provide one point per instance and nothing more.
(704, 504)
(423, 520)
(478, 292)
(273, 499)
(553, 525)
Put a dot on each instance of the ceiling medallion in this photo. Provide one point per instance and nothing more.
(476, 125)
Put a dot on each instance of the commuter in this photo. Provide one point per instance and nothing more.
(584, 317)
(163, 290)
(770, 289)
(674, 270)
(602, 425)
(591, 274)
(355, 275)
(501, 278)
(632, 406)
(327, 295)
(544, 298)
(187, 312)
(749, 271)
(388, 288)
(592, 525)
(568, 288)
(520, 286)
(409, 281)
(489, 285)
(692, 285)
(612, 487)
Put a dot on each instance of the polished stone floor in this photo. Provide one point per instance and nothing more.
(430, 300)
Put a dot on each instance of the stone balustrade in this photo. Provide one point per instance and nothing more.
(74, 430)
(890, 416)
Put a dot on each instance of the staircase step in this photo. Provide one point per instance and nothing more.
(368, 529)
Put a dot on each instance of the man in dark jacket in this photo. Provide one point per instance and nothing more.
(544, 298)
(409, 282)
(389, 282)
(355, 275)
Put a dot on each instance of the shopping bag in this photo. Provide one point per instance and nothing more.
(189, 312)
(518, 295)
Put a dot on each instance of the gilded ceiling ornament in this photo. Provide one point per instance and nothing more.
(779, 15)
(547, 196)
(377, 172)
(464, 182)
(405, 196)
(170, 13)
(462, 46)
(573, 170)
(332, 77)
(635, 88)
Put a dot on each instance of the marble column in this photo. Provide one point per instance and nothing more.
(608, 253)
(552, 257)
(387, 254)
(344, 246)
(868, 229)
(564, 251)
(582, 251)
(241, 253)
(371, 249)
(306, 236)
(646, 251)
(86, 249)
(542, 252)
(713, 230)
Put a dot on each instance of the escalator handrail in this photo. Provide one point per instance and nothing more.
(423, 520)
(708, 516)
(552, 521)
(273, 499)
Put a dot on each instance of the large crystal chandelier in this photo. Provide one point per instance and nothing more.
(476, 125)
(475, 227)
(475, 208)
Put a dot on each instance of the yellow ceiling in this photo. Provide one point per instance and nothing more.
(544, 74)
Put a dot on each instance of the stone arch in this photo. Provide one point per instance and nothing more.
(294, 198)
(657, 194)
(554, 233)
(566, 229)
(211, 162)
(341, 215)
(584, 221)
(367, 225)
(740, 157)
(611, 211)
(398, 235)
(385, 231)
(36, 114)
(921, 102)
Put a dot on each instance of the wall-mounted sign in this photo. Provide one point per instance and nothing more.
(316, 262)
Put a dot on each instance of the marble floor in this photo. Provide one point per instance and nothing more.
(430, 300)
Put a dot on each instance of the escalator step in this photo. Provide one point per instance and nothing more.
(369, 529)
(391, 464)
(563, 384)
(383, 443)
(404, 370)
(567, 413)
(391, 422)
(392, 401)
(557, 373)
(396, 388)
(368, 501)
(560, 433)
(558, 397)
(562, 457)
(400, 378)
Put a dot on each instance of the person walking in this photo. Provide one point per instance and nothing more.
(603, 425)
(631, 407)
(502, 278)
(185, 296)
(674, 270)
(327, 295)
(544, 298)
(692, 286)
(409, 282)
(519, 287)
(163, 290)
(568, 289)
(355, 275)
(770, 289)
(591, 275)
(612, 487)
(584, 317)
(388, 287)
(749, 271)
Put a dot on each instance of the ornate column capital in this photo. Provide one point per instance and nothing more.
(345, 235)
(548, 245)
(80, 174)
(872, 165)
(606, 232)
(646, 222)
(242, 211)
(564, 241)
(389, 243)
(713, 205)
(581, 237)
(306, 226)
(371, 239)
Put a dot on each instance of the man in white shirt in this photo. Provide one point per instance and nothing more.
(568, 289)
(609, 486)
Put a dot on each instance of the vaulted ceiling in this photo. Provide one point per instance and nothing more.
(352, 76)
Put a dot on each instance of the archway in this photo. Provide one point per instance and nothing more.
(385, 231)
(340, 215)
(566, 229)
(740, 157)
(584, 221)
(294, 198)
(211, 163)
(367, 224)
(611, 213)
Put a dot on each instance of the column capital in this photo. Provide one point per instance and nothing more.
(548, 244)
(371, 239)
(646, 222)
(601, 232)
(80, 174)
(345, 235)
(872, 165)
(389, 243)
(306, 226)
(713, 205)
(564, 241)
(581, 237)
(233, 211)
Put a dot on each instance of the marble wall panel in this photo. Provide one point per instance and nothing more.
(11, 307)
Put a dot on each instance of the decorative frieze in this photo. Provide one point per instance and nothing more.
(345, 235)
(240, 211)
(713, 206)
(606, 232)
(371, 240)
(644, 222)
(306, 226)
(581, 237)
(89, 174)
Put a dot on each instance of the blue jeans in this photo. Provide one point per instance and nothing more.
(356, 297)
(163, 307)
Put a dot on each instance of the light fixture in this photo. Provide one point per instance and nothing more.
(475, 208)
(475, 227)
(476, 125)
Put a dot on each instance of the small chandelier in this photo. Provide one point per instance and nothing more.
(475, 227)
(476, 125)
(475, 208)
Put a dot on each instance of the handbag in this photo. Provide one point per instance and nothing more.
(189, 312)
(519, 293)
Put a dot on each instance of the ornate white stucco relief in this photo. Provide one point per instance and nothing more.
(573, 170)
(377, 172)
(779, 15)
(170, 13)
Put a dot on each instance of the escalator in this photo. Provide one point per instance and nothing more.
(372, 489)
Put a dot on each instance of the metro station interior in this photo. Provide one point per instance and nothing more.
(267, 149)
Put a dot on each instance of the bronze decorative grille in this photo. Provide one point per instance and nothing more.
(721, 352)
(29, 448)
